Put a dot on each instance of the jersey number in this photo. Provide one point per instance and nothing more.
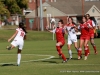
(22, 34)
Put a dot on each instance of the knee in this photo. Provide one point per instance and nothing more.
(57, 44)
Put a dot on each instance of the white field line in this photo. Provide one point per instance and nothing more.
(49, 57)
(74, 64)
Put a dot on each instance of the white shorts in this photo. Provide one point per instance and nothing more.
(18, 43)
(72, 40)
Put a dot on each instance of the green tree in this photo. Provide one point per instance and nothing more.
(22, 3)
(3, 11)
(15, 6)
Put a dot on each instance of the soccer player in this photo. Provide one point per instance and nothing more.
(84, 37)
(59, 31)
(72, 38)
(18, 37)
(91, 31)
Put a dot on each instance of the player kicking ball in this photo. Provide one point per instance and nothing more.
(18, 41)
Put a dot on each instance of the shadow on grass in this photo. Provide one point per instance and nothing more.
(52, 60)
(8, 65)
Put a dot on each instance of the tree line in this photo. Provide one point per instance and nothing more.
(8, 7)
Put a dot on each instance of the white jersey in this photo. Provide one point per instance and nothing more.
(20, 35)
(19, 39)
(71, 34)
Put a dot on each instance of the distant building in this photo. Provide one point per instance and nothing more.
(61, 9)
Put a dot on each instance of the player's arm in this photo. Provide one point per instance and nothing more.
(77, 28)
(52, 31)
(94, 27)
(65, 30)
(12, 36)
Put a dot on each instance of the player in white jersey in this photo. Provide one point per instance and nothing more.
(72, 38)
(18, 41)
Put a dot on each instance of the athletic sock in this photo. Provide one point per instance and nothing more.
(94, 47)
(79, 52)
(70, 53)
(88, 50)
(58, 50)
(63, 57)
(18, 58)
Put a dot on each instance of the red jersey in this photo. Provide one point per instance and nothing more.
(91, 30)
(84, 30)
(59, 34)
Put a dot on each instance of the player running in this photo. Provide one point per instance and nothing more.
(91, 31)
(84, 37)
(60, 39)
(18, 36)
(72, 38)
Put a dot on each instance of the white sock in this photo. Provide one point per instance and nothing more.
(70, 53)
(18, 58)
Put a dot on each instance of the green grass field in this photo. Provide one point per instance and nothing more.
(39, 57)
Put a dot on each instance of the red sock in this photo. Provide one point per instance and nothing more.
(94, 48)
(79, 52)
(58, 50)
(88, 50)
(63, 57)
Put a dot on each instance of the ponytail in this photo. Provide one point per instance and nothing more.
(21, 25)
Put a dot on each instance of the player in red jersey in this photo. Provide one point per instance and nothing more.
(84, 38)
(60, 39)
(91, 31)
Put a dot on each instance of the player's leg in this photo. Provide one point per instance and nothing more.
(18, 57)
(69, 51)
(80, 48)
(10, 47)
(58, 47)
(13, 45)
(93, 44)
(20, 47)
(69, 48)
(75, 44)
(86, 49)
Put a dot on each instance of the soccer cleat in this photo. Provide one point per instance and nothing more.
(85, 58)
(64, 61)
(8, 47)
(79, 57)
(70, 57)
(18, 64)
(96, 52)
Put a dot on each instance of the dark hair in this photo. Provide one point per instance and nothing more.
(82, 18)
(61, 21)
(72, 20)
(21, 25)
(87, 15)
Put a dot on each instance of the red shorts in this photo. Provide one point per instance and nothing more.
(92, 35)
(62, 41)
(85, 38)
